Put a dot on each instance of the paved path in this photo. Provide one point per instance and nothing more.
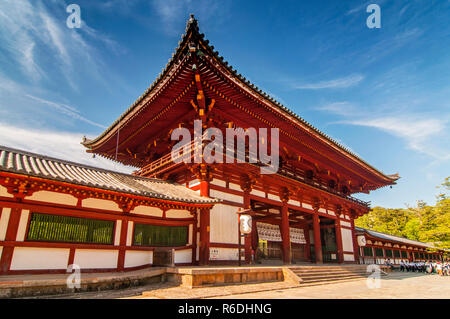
(395, 286)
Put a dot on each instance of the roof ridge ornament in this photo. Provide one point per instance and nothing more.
(191, 23)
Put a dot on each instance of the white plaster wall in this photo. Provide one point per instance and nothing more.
(135, 258)
(194, 183)
(347, 240)
(101, 204)
(178, 213)
(307, 206)
(235, 187)
(183, 256)
(4, 192)
(227, 254)
(148, 211)
(191, 230)
(218, 182)
(323, 210)
(226, 196)
(6, 212)
(294, 202)
(130, 234)
(348, 257)
(347, 224)
(1, 250)
(117, 234)
(258, 193)
(55, 198)
(96, 258)
(330, 212)
(23, 222)
(224, 224)
(25, 258)
(273, 197)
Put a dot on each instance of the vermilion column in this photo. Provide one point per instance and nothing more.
(308, 243)
(11, 234)
(204, 236)
(286, 240)
(317, 241)
(337, 230)
(248, 237)
(122, 245)
(355, 243)
(194, 238)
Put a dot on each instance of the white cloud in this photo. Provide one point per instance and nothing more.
(421, 134)
(340, 108)
(340, 83)
(59, 144)
(33, 31)
(12, 93)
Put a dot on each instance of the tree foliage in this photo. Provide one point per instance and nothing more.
(429, 224)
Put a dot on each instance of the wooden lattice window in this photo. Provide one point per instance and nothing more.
(379, 252)
(396, 253)
(388, 253)
(160, 236)
(59, 228)
(404, 254)
(368, 251)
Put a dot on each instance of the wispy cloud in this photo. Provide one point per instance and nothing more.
(418, 132)
(59, 144)
(339, 83)
(421, 133)
(31, 32)
(11, 91)
(66, 110)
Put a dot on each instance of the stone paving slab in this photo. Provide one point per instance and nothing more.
(209, 292)
(395, 286)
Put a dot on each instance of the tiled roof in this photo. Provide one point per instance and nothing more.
(192, 28)
(30, 164)
(394, 238)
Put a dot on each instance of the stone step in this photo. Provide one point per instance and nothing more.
(312, 284)
(315, 280)
(330, 277)
(320, 273)
(328, 271)
(306, 275)
(328, 268)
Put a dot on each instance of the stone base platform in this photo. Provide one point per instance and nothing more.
(194, 277)
(38, 285)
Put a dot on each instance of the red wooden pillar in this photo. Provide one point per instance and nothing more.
(355, 242)
(122, 245)
(194, 239)
(317, 240)
(308, 243)
(248, 237)
(337, 229)
(204, 236)
(286, 240)
(11, 234)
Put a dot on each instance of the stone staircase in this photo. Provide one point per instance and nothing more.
(322, 275)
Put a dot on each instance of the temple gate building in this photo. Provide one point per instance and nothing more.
(55, 213)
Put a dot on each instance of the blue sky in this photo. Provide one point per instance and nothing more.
(383, 93)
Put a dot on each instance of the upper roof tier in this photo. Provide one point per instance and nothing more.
(142, 133)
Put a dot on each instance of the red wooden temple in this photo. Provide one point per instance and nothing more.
(304, 212)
